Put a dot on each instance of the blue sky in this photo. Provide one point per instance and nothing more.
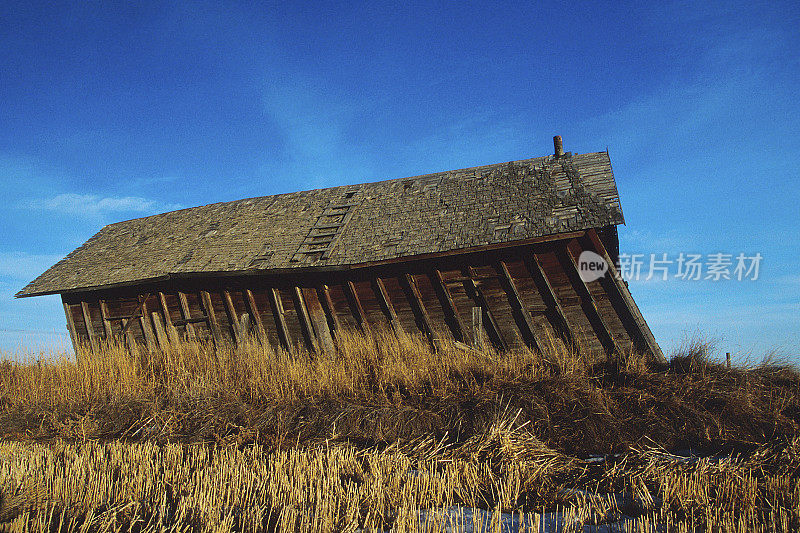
(111, 111)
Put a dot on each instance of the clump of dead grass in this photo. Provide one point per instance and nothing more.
(378, 389)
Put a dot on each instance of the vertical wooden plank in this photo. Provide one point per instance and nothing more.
(477, 328)
(186, 314)
(233, 319)
(130, 340)
(386, 305)
(324, 295)
(489, 323)
(319, 321)
(418, 307)
(172, 333)
(622, 301)
(73, 334)
(521, 315)
(147, 331)
(245, 325)
(306, 328)
(355, 306)
(87, 319)
(213, 325)
(588, 304)
(109, 332)
(161, 333)
(252, 308)
(280, 319)
(555, 313)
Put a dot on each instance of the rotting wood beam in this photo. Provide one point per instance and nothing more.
(477, 328)
(127, 334)
(555, 313)
(306, 328)
(194, 320)
(213, 324)
(245, 323)
(589, 306)
(318, 320)
(109, 331)
(147, 331)
(452, 317)
(161, 334)
(172, 333)
(622, 301)
(523, 317)
(112, 318)
(355, 306)
(186, 316)
(73, 334)
(284, 336)
(382, 295)
(409, 286)
(255, 314)
(87, 320)
(324, 294)
(233, 318)
(489, 323)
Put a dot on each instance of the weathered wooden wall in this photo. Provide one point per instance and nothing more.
(524, 295)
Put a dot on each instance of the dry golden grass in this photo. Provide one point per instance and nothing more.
(378, 389)
(364, 367)
(388, 434)
(148, 487)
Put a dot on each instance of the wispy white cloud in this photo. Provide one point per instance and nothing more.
(685, 117)
(22, 266)
(323, 145)
(314, 128)
(481, 138)
(96, 205)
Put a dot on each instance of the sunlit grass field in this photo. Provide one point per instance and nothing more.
(387, 434)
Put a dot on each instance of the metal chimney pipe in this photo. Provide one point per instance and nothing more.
(558, 145)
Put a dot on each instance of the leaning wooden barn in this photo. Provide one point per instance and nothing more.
(479, 255)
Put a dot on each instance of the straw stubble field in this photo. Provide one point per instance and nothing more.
(387, 435)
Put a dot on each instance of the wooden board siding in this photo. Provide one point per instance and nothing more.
(435, 296)
(532, 302)
(319, 321)
(433, 306)
(201, 330)
(577, 321)
(290, 315)
(373, 314)
(461, 300)
(402, 307)
(387, 306)
(341, 306)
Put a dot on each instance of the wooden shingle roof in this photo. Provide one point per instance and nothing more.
(341, 227)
